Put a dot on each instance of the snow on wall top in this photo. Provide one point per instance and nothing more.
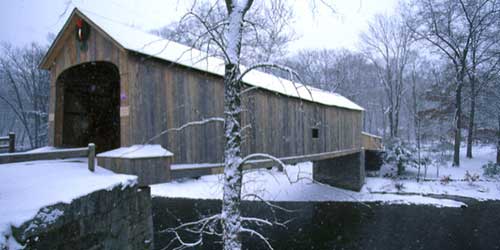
(145, 43)
(137, 151)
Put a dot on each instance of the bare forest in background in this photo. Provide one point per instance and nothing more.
(24, 95)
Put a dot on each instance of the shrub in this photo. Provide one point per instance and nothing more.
(471, 178)
(401, 154)
(442, 151)
(491, 169)
(445, 179)
(399, 186)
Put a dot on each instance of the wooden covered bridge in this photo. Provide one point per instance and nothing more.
(117, 87)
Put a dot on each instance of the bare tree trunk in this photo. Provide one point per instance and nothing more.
(396, 123)
(470, 131)
(391, 123)
(231, 215)
(384, 123)
(458, 121)
(498, 141)
(37, 124)
(472, 79)
(233, 172)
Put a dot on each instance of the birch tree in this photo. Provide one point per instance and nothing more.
(228, 35)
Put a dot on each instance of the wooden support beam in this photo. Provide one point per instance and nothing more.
(51, 155)
(12, 142)
(88, 152)
(91, 156)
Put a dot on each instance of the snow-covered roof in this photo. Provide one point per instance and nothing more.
(146, 43)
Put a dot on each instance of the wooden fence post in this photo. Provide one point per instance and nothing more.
(91, 157)
(12, 142)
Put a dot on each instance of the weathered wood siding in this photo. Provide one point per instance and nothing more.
(67, 53)
(165, 96)
(371, 142)
(157, 95)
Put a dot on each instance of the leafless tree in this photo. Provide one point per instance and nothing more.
(266, 34)
(387, 43)
(347, 73)
(449, 26)
(489, 115)
(229, 34)
(483, 57)
(317, 67)
(27, 89)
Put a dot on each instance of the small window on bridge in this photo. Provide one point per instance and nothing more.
(315, 133)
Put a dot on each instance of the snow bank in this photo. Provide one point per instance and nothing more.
(296, 185)
(26, 187)
(137, 151)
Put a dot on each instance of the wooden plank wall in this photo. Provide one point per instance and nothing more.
(371, 142)
(165, 96)
(157, 95)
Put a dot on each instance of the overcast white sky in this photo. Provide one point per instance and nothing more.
(23, 21)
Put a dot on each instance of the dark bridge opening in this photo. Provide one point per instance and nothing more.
(91, 111)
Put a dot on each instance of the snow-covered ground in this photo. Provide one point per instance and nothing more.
(28, 186)
(481, 155)
(297, 185)
(483, 189)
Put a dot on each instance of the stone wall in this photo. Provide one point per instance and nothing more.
(344, 172)
(107, 219)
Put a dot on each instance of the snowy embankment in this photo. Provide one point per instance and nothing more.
(297, 185)
(26, 187)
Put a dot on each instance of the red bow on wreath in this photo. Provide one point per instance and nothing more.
(82, 33)
(79, 25)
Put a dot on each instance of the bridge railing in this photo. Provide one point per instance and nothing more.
(196, 170)
(87, 152)
(371, 142)
(8, 142)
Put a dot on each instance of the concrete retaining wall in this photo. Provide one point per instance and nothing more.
(344, 172)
